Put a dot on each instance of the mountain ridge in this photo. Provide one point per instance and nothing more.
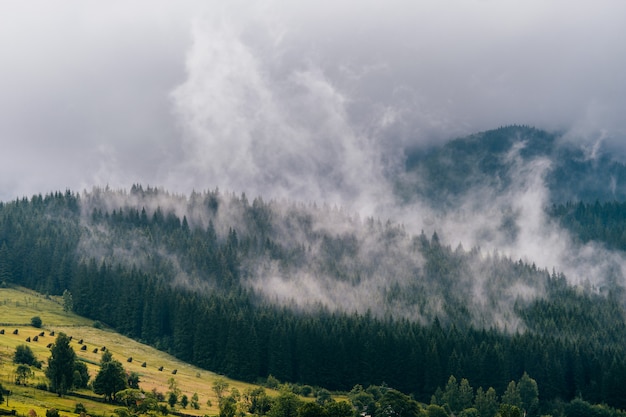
(578, 172)
(315, 294)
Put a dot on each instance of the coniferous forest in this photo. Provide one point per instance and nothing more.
(197, 276)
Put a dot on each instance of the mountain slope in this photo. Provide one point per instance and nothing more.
(317, 295)
(576, 172)
(18, 305)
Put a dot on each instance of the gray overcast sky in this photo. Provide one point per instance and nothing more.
(307, 99)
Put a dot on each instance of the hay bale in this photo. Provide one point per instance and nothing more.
(42, 334)
(129, 359)
(2, 331)
(83, 347)
(36, 339)
(15, 331)
(160, 368)
(49, 345)
(80, 342)
(143, 365)
(28, 339)
(174, 371)
(103, 348)
(52, 333)
(95, 350)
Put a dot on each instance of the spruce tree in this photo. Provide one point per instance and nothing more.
(60, 371)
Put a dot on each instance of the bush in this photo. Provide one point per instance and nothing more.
(159, 396)
(97, 325)
(53, 412)
(24, 355)
(36, 322)
(272, 382)
(79, 408)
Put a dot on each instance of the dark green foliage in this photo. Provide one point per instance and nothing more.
(470, 412)
(601, 222)
(68, 301)
(172, 399)
(22, 374)
(257, 401)
(311, 410)
(434, 410)
(81, 374)
(395, 403)
(486, 402)
(23, 354)
(61, 365)
(488, 159)
(133, 380)
(110, 379)
(228, 407)
(508, 410)
(194, 401)
(343, 409)
(529, 395)
(285, 405)
(36, 322)
(572, 342)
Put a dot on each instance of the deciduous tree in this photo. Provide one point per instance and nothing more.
(24, 355)
(110, 379)
(22, 374)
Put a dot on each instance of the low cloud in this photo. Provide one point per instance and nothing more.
(313, 102)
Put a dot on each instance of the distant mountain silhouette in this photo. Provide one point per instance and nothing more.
(488, 158)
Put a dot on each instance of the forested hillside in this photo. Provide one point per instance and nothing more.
(586, 172)
(316, 295)
(186, 288)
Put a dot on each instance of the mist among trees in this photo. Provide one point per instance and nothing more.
(314, 295)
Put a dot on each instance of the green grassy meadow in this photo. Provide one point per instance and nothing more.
(18, 306)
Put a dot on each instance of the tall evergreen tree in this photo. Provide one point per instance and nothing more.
(60, 371)
(486, 402)
(6, 273)
(529, 395)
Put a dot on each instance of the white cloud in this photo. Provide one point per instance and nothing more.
(324, 82)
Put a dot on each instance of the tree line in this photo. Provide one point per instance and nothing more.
(65, 372)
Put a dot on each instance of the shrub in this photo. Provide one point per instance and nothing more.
(272, 382)
(306, 390)
(52, 412)
(79, 408)
(24, 355)
(36, 322)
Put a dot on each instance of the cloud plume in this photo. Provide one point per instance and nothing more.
(312, 101)
(254, 123)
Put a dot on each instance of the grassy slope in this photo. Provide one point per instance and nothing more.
(18, 306)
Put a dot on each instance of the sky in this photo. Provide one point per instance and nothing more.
(312, 100)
